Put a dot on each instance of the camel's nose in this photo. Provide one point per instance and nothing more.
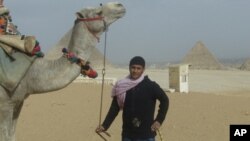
(119, 5)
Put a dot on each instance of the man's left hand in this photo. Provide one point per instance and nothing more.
(155, 126)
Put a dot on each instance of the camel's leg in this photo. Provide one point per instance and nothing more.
(16, 113)
(6, 121)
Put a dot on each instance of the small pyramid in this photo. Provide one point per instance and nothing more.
(246, 65)
(199, 57)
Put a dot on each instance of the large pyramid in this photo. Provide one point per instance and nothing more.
(199, 57)
(246, 65)
(96, 58)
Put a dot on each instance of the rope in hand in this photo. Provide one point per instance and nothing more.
(160, 134)
(102, 88)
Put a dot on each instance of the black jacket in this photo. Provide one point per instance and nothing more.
(138, 110)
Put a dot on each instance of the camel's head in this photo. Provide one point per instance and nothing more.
(99, 18)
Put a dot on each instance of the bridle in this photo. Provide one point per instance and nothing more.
(81, 19)
(90, 20)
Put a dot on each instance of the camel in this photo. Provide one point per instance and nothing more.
(46, 75)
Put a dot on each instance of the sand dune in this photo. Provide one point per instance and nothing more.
(216, 100)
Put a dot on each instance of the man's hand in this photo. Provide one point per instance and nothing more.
(100, 129)
(155, 126)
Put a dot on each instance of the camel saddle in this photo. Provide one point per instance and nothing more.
(25, 44)
(12, 71)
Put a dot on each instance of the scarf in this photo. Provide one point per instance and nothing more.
(121, 86)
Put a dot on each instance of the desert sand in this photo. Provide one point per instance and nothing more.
(217, 98)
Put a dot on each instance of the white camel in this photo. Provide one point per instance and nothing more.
(46, 75)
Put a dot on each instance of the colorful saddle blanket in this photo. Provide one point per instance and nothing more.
(12, 71)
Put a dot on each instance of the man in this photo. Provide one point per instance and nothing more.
(136, 95)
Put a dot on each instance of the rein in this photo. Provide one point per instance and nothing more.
(103, 75)
(104, 62)
(90, 19)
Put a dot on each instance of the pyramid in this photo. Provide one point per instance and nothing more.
(246, 65)
(96, 58)
(199, 57)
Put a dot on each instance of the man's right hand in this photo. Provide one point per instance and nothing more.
(99, 129)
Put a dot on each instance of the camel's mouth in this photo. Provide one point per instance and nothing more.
(122, 10)
(118, 10)
(121, 13)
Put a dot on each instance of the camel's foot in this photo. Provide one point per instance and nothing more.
(7, 132)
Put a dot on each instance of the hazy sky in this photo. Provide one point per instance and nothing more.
(158, 30)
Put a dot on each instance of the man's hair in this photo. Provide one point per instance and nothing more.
(137, 60)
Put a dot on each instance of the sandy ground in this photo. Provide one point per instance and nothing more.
(216, 100)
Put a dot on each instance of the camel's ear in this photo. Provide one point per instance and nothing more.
(79, 15)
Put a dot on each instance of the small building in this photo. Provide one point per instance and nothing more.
(178, 78)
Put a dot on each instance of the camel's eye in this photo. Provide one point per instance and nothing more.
(99, 13)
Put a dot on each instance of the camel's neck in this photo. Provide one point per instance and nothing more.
(82, 41)
(49, 75)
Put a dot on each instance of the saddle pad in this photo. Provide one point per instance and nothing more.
(12, 71)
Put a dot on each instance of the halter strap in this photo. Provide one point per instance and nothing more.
(89, 20)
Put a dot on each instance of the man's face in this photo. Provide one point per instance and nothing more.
(136, 71)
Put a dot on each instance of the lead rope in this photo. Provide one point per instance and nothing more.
(103, 75)
(160, 134)
(102, 88)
